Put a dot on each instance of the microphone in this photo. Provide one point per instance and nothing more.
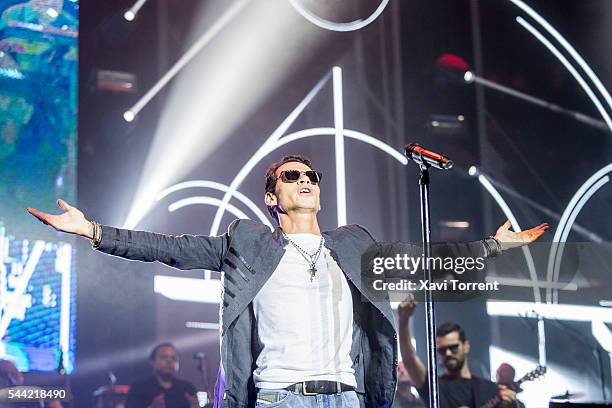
(426, 157)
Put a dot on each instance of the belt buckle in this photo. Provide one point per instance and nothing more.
(304, 390)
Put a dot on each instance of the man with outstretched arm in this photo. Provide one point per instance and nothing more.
(297, 328)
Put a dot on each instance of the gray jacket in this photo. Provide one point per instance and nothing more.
(248, 254)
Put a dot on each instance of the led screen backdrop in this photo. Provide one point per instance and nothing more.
(38, 146)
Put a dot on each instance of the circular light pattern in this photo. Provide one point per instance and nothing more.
(129, 15)
(580, 198)
(335, 26)
(129, 116)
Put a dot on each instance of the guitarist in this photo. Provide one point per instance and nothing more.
(457, 386)
(505, 376)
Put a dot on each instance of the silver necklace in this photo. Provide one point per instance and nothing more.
(310, 258)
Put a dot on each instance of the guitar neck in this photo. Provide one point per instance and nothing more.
(492, 402)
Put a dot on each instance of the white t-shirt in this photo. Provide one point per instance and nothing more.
(305, 327)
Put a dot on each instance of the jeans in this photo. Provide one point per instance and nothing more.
(288, 399)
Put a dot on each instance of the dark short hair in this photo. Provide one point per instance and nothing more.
(509, 366)
(450, 327)
(158, 347)
(272, 178)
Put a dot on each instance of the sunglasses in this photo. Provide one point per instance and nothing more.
(454, 348)
(291, 176)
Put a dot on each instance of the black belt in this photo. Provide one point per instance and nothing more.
(319, 387)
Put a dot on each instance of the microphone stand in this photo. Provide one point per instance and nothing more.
(426, 159)
(470, 77)
(430, 318)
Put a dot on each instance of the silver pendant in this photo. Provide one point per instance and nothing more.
(312, 272)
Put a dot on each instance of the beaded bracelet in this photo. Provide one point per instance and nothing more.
(96, 238)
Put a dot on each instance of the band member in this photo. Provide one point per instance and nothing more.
(295, 329)
(505, 376)
(162, 389)
(457, 386)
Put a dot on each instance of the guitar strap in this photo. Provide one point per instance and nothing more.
(476, 391)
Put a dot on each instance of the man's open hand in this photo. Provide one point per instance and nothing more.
(510, 239)
(71, 221)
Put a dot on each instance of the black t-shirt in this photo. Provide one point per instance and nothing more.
(455, 392)
(142, 393)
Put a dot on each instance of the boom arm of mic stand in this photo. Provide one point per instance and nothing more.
(580, 117)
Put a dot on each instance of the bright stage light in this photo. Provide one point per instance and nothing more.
(215, 186)
(575, 205)
(188, 289)
(218, 90)
(473, 171)
(335, 26)
(206, 201)
(351, 134)
(129, 116)
(129, 15)
(468, 77)
(51, 12)
(339, 146)
(454, 224)
(577, 313)
(189, 55)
